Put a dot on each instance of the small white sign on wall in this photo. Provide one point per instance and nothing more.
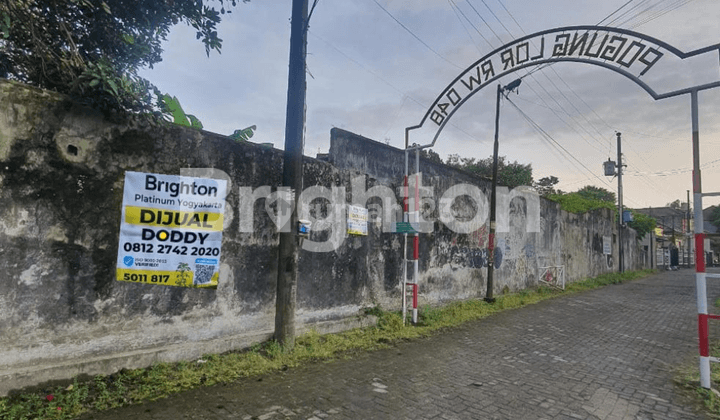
(607, 245)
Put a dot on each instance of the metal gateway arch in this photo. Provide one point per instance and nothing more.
(629, 53)
(632, 54)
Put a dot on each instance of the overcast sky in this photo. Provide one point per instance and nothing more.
(371, 76)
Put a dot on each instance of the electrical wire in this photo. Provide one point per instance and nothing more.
(415, 36)
(570, 126)
(677, 171)
(616, 10)
(661, 13)
(395, 88)
(497, 18)
(456, 9)
(545, 135)
(484, 21)
(556, 73)
(673, 6)
(541, 86)
(555, 143)
(452, 3)
(625, 13)
(312, 9)
(573, 91)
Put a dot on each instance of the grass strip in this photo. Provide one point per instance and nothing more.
(688, 378)
(164, 379)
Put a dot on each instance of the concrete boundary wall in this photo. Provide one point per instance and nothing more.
(62, 313)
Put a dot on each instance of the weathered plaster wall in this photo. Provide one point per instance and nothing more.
(61, 311)
(454, 266)
(61, 179)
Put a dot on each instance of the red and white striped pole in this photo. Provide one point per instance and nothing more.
(700, 275)
(416, 239)
(406, 219)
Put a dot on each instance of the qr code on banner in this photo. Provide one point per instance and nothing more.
(203, 273)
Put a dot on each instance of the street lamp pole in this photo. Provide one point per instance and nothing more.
(493, 192)
(620, 206)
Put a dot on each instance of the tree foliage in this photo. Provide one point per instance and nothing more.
(510, 174)
(597, 193)
(546, 186)
(431, 155)
(172, 105)
(575, 202)
(715, 217)
(93, 49)
(642, 223)
(243, 134)
(592, 198)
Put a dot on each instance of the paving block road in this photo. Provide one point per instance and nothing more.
(609, 353)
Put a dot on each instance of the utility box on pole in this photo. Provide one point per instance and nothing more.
(609, 167)
(627, 216)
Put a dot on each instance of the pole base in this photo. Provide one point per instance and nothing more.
(490, 299)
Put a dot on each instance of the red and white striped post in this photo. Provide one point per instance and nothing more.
(700, 275)
(406, 197)
(416, 239)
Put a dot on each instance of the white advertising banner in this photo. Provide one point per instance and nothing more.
(171, 230)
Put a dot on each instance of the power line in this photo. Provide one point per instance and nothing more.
(397, 114)
(363, 67)
(548, 136)
(550, 80)
(677, 171)
(541, 86)
(498, 19)
(456, 9)
(616, 10)
(452, 3)
(627, 11)
(395, 88)
(556, 73)
(415, 36)
(572, 90)
(661, 13)
(511, 15)
(484, 21)
(553, 83)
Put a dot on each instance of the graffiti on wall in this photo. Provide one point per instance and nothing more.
(458, 256)
(475, 239)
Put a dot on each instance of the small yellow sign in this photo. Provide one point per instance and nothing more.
(164, 278)
(173, 218)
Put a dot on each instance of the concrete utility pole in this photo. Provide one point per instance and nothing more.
(491, 236)
(293, 177)
(620, 206)
(493, 193)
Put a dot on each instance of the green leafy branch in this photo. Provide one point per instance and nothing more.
(244, 134)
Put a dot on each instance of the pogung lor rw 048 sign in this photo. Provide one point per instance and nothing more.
(171, 230)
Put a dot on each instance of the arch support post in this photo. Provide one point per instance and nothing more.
(700, 277)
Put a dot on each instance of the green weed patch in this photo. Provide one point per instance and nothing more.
(161, 380)
(688, 379)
